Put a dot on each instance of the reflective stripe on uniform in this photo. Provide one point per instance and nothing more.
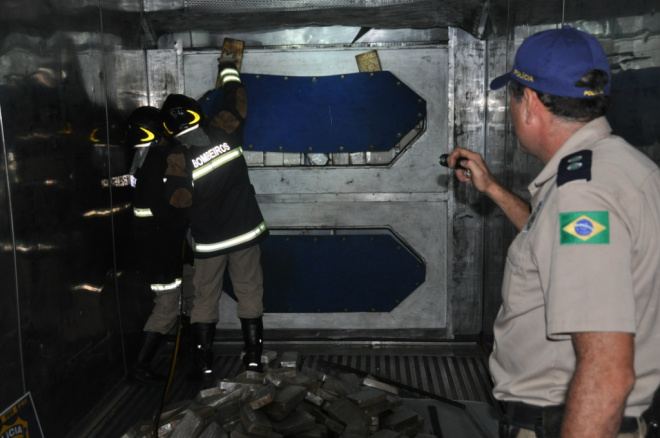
(211, 247)
(216, 162)
(142, 212)
(166, 287)
(229, 75)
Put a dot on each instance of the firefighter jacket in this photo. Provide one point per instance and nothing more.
(159, 229)
(224, 213)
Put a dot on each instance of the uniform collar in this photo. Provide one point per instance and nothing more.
(583, 138)
(194, 137)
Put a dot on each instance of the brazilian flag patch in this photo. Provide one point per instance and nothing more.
(584, 227)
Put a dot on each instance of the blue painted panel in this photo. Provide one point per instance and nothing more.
(327, 114)
(340, 273)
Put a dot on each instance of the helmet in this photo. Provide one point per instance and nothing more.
(107, 138)
(145, 125)
(180, 114)
(112, 131)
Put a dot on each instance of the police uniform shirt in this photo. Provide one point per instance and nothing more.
(587, 260)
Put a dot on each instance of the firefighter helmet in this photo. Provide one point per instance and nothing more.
(145, 126)
(111, 131)
(181, 114)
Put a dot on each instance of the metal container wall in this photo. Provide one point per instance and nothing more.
(68, 315)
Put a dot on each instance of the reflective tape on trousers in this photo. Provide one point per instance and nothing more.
(235, 241)
(166, 287)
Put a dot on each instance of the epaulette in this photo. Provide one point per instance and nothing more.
(574, 167)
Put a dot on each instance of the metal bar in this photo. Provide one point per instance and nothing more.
(397, 384)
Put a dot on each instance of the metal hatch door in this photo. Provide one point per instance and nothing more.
(398, 195)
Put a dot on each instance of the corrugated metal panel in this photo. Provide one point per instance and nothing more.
(453, 377)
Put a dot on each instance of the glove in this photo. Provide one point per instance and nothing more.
(181, 198)
(178, 185)
(227, 58)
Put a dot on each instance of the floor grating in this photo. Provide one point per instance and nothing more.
(442, 376)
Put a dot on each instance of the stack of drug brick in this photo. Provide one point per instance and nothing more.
(284, 402)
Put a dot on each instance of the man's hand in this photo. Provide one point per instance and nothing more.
(480, 177)
(515, 208)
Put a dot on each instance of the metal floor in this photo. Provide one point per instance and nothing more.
(447, 384)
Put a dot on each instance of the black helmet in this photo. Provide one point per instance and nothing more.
(111, 131)
(180, 114)
(145, 125)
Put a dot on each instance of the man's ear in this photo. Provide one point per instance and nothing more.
(531, 104)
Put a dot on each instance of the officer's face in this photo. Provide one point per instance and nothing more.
(515, 111)
(518, 113)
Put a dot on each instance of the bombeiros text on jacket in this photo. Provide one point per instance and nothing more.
(210, 154)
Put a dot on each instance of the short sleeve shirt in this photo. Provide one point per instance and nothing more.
(588, 260)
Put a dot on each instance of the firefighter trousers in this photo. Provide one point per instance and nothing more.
(245, 272)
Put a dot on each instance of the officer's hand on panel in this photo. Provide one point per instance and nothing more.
(474, 170)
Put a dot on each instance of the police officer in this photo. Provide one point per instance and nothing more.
(226, 223)
(159, 231)
(577, 339)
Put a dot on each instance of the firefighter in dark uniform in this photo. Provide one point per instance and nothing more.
(208, 172)
(105, 193)
(163, 256)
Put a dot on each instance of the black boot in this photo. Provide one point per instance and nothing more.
(203, 332)
(187, 337)
(253, 333)
(142, 368)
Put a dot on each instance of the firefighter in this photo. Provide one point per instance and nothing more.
(226, 222)
(163, 256)
(103, 184)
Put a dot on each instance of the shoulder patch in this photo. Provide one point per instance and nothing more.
(578, 227)
(574, 167)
